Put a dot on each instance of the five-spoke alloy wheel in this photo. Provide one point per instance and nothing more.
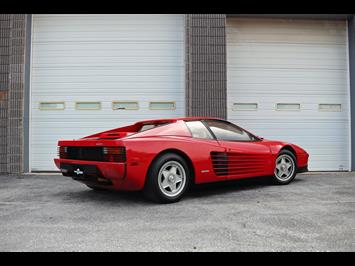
(285, 168)
(168, 179)
(172, 178)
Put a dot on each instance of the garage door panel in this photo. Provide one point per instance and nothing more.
(101, 61)
(327, 76)
(266, 62)
(291, 115)
(286, 38)
(286, 31)
(255, 50)
(103, 78)
(101, 58)
(65, 20)
(111, 85)
(303, 62)
(309, 89)
(113, 53)
(85, 73)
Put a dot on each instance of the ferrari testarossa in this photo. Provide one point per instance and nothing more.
(164, 157)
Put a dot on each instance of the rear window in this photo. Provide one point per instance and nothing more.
(198, 130)
(150, 126)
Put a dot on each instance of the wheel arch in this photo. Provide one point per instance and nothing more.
(290, 149)
(180, 153)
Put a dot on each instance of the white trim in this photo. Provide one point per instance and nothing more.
(349, 91)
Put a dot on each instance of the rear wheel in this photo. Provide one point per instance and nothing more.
(168, 179)
(285, 168)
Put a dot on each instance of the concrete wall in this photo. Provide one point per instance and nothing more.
(12, 66)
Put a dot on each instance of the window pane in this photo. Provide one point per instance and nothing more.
(288, 106)
(198, 130)
(245, 107)
(227, 131)
(162, 105)
(330, 107)
(88, 105)
(125, 106)
(51, 106)
(150, 126)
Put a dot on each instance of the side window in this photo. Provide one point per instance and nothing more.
(228, 132)
(198, 130)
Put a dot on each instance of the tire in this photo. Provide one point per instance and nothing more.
(168, 179)
(285, 170)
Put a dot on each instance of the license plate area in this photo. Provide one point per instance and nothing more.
(84, 172)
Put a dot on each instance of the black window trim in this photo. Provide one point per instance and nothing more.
(208, 128)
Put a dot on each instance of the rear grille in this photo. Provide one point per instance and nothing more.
(100, 154)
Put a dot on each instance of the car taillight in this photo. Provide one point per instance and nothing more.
(63, 152)
(114, 154)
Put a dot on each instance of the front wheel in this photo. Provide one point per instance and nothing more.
(168, 179)
(285, 168)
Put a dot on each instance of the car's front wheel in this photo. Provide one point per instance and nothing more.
(168, 179)
(285, 168)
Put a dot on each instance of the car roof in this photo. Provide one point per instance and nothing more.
(189, 118)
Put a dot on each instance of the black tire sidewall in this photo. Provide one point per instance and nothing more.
(152, 189)
(278, 181)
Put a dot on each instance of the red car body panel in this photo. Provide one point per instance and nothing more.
(245, 159)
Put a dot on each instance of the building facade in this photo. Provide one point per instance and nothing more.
(287, 77)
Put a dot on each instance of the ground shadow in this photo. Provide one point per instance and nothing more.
(196, 191)
(232, 186)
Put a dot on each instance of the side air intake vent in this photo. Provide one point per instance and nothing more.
(220, 163)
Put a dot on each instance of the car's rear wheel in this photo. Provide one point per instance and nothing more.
(285, 168)
(168, 179)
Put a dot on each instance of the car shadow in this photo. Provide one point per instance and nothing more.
(196, 191)
(104, 197)
(232, 186)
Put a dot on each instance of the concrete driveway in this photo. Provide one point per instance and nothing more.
(53, 213)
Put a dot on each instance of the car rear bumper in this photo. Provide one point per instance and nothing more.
(94, 173)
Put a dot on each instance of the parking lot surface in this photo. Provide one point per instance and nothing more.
(49, 212)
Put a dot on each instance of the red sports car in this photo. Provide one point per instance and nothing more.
(163, 157)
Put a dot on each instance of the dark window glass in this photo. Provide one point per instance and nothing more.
(150, 126)
(229, 132)
(198, 130)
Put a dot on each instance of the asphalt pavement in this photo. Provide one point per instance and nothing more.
(49, 212)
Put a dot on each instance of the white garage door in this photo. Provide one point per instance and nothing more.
(97, 72)
(288, 80)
